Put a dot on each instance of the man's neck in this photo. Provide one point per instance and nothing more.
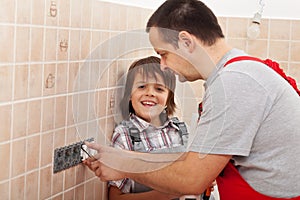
(214, 54)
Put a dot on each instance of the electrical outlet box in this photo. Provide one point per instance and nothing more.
(69, 156)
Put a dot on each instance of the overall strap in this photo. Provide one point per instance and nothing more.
(183, 132)
(272, 64)
(134, 133)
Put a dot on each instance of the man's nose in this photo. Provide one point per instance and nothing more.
(163, 65)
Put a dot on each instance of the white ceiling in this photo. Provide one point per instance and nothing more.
(287, 9)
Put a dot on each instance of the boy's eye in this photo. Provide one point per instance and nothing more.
(160, 89)
(141, 86)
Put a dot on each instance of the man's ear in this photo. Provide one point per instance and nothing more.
(186, 40)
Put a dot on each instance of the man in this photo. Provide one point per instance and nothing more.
(250, 114)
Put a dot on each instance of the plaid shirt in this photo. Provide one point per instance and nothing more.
(153, 138)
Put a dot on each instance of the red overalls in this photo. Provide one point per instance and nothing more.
(230, 183)
(232, 186)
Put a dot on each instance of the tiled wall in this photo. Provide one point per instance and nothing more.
(56, 80)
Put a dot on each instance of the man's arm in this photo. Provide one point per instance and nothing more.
(185, 173)
(189, 176)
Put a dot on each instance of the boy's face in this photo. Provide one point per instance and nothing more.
(149, 97)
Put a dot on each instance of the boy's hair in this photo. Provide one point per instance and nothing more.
(149, 67)
(192, 16)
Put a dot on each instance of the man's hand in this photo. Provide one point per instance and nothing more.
(131, 161)
(94, 163)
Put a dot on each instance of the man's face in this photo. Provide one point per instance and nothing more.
(172, 58)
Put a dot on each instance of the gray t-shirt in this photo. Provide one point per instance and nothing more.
(252, 113)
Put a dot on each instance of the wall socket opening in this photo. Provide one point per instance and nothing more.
(69, 156)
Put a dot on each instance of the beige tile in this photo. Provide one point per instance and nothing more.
(23, 12)
(50, 79)
(37, 44)
(295, 49)
(7, 11)
(70, 115)
(100, 102)
(118, 18)
(34, 117)
(59, 138)
(22, 44)
(31, 191)
(69, 195)
(5, 123)
(18, 157)
(64, 13)
(17, 189)
(295, 29)
(45, 183)
(278, 50)
(5, 166)
(69, 178)
(38, 12)
(101, 15)
(264, 29)
(63, 50)
(91, 108)
(86, 10)
(81, 113)
(79, 170)
(239, 43)
(52, 13)
(85, 39)
(76, 13)
(72, 81)
(60, 112)
(100, 189)
(111, 102)
(258, 48)
(74, 44)
(96, 40)
(20, 120)
(223, 24)
(95, 74)
(79, 192)
(280, 29)
(7, 43)
(6, 74)
(71, 135)
(134, 17)
(61, 80)
(112, 74)
(46, 149)
(21, 82)
(35, 81)
(104, 75)
(59, 197)
(4, 190)
(110, 125)
(122, 72)
(237, 27)
(103, 136)
(51, 44)
(57, 180)
(47, 117)
(294, 71)
(33, 152)
(89, 190)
